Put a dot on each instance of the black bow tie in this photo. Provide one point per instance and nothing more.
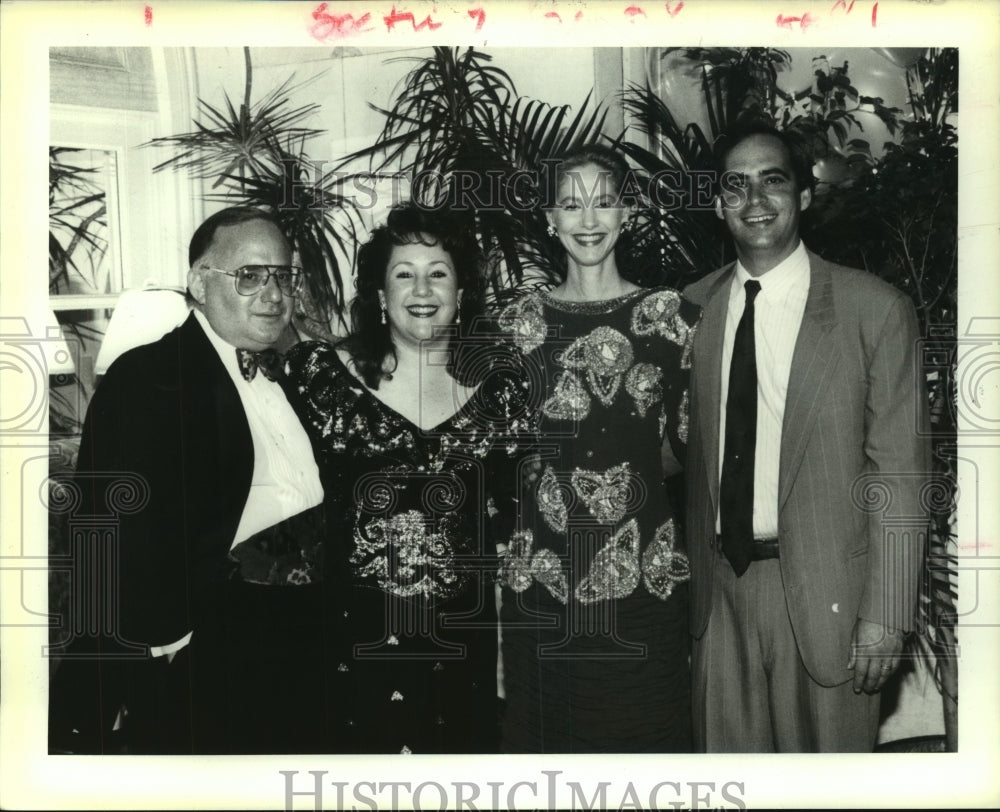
(267, 361)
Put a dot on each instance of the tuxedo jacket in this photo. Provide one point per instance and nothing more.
(169, 413)
(853, 461)
(166, 458)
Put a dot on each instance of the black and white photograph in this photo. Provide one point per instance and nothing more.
(435, 407)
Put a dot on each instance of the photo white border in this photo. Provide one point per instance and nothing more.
(31, 779)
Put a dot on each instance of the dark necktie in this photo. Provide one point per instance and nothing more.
(267, 361)
(736, 484)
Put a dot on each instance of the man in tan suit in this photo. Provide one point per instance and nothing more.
(805, 469)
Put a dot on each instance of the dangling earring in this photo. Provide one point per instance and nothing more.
(551, 230)
(382, 312)
(627, 225)
(458, 312)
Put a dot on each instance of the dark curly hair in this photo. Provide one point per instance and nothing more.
(370, 341)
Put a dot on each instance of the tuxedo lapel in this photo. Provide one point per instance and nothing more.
(814, 360)
(708, 370)
(217, 424)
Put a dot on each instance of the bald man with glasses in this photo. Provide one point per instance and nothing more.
(219, 565)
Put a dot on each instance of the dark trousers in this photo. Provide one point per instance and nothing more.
(260, 671)
(254, 679)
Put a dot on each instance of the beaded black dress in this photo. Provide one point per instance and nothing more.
(410, 556)
(594, 593)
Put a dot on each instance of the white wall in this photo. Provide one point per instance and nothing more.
(345, 81)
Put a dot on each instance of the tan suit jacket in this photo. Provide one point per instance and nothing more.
(854, 457)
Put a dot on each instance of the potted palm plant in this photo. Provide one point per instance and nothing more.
(458, 118)
(255, 155)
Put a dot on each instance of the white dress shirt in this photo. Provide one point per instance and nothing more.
(285, 476)
(778, 311)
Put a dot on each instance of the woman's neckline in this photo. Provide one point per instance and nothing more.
(590, 305)
(373, 394)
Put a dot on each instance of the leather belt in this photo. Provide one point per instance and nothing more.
(763, 549)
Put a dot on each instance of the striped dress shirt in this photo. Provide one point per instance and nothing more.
(778, 311)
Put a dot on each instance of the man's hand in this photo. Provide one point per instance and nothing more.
(874, 657)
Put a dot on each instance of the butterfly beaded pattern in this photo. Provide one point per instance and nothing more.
(596, 367)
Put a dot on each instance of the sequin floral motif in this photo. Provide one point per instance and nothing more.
(614, 572)
(643, 384)
(569, 399)
(408, 554)
(659, 314)
(521, 566)
(525, 321)
(663, 567)
(682, 418)
(606, 494)
(551, 504)
(603, 355)
(688, 347)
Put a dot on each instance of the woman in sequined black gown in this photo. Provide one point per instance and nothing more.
(406, 442)
(594, 598)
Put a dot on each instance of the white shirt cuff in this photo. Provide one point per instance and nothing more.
(171, 648)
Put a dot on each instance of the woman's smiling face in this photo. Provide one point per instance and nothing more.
(588, 217)
(421, 291)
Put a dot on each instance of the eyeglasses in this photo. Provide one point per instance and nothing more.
(251, 278)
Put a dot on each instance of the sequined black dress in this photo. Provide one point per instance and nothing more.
(594, 598)
(411, 557)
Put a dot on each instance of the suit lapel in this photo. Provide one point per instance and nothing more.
(708, 370)
(218, 419)
(813, 363)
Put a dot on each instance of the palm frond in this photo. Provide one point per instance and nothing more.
(229, 141)
(458, 117)
(676, 238)
(76, 219)
(255, 155)
(319, 220)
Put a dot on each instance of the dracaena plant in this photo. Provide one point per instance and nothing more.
(459, 121)
(255, 155)
(77, 220)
